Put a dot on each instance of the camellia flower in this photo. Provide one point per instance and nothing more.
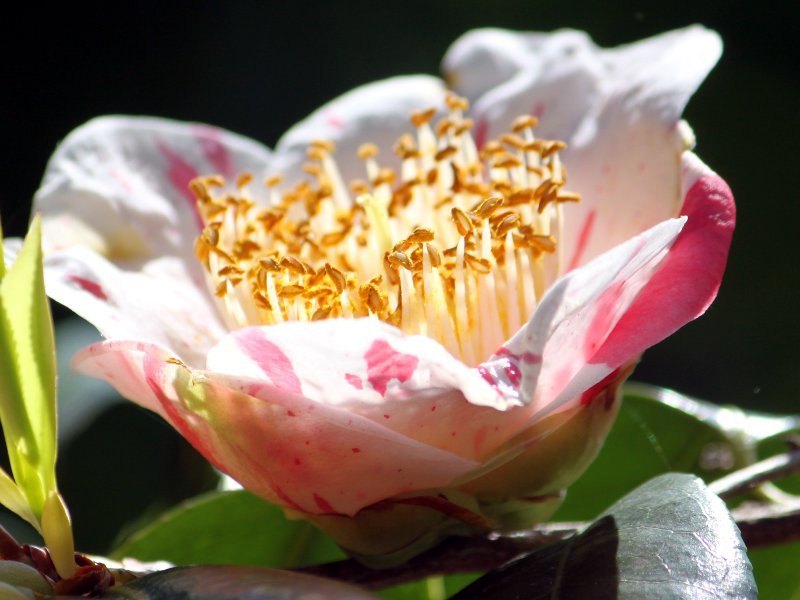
(434, 347)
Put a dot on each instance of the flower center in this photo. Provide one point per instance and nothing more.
(459, 246)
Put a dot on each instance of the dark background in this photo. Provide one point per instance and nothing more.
(258, 67)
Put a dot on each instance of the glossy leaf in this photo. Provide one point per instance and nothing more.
(27, 373)
(669, 538)
(227, 582)
(230, 528)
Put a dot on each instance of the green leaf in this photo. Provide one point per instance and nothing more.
(27, 373)
(231, 528)
(649, 438)
(226, 582)
(775, 569)
(669, 538)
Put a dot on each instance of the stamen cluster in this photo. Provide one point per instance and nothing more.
(459, 245)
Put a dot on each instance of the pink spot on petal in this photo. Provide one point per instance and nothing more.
(386, 417)
(355, 450)
(433, 408)
(538, 110)
(384, 364)
(290, 413)
(270, 359)
(583, 239)
(180, 173)
(354, 380)
(334, 120)
(90, 286)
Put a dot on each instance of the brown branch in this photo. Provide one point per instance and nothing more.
(454, 555)
(750, 477)
(764, 524)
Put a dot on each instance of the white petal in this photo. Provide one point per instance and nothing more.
(377, 113)
(158, 303)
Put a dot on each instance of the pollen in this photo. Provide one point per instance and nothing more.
(456, 244)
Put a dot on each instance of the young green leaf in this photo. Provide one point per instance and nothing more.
(27, 405)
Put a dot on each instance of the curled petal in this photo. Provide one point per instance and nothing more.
(633, 141)
(576, 316)
(119, 185)
(688, 279)
(376, 113)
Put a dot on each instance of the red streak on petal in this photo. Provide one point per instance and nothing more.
(513, 373)
(583, 239)
(288, 502)
(180, 173)
(90, 286)
(323, 504)
(481, 131)
(487, 376)
(601, 324)
(270, 359)
(214, 150)
(354, 380)
(384, 364)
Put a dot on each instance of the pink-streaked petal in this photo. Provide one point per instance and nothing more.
(121, 364)
(377, 113)
(625, 157)
(576, 316)
(289, 449)
(408, 384)
(158, 304)
(688, 279)
(119, 185)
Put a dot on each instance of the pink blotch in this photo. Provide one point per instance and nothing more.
(209, 139)
(433, 408)
(386, 417)
(601, 324)
(323, 504)
(354, 380)
(384, 364)
(87, 285)
(538, 110)
(270, 359)
(583, 239)
(180, 173)
(356, 450)
(641, 167)
(290, 413)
